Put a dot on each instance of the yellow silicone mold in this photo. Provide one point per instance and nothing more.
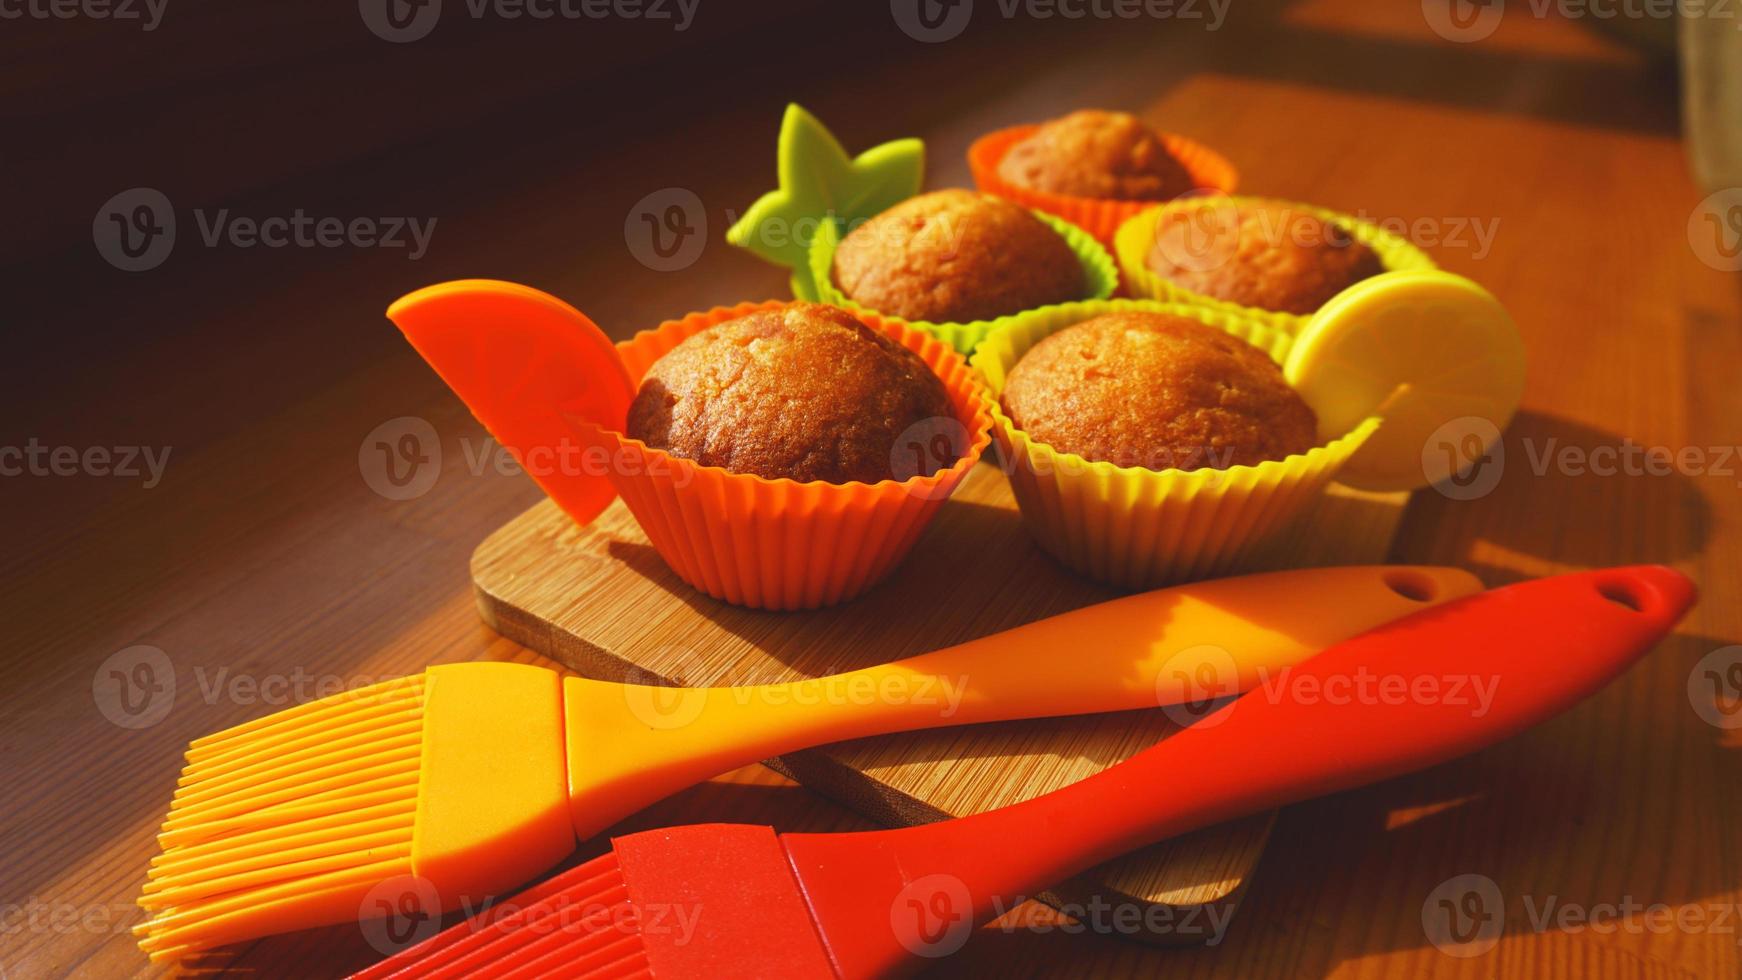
(1100, 279)
(1137, 528)
(1131, 243)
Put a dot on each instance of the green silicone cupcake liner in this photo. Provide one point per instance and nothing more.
(1100, 275)
(1133, 239)
(1138, 528)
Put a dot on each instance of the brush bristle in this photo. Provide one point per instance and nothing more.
(292, 816)
(580, 923)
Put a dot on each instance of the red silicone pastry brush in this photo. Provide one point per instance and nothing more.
(726, 900)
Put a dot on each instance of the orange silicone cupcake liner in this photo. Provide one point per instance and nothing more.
(1100, 217)
(781, 544)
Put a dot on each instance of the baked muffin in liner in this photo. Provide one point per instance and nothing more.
(1100, 279)
(1100, 217)
(1137, 528)
(780, 544)
(1133, 240)
(823, 191)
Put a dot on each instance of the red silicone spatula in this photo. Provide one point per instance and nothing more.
(723, 900)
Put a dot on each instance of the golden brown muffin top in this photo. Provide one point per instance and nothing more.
(805, 392)
(1261, 254)
(955, 256)
(1094, 153)
(1158, 391)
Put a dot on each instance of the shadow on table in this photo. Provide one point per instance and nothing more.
(974, 571)
(1553, 473)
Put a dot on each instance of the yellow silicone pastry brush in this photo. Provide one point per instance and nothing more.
(476, 777)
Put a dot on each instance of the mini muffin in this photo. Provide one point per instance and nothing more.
(1156, 391)
(1093, 153)
(1260, 254)
(955, 256)
(805, 392)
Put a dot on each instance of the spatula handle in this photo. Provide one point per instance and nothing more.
(631, 746)
(1408, 695)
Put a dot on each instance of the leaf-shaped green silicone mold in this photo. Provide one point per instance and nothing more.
(820, 183)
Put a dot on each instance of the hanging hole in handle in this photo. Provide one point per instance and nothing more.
(1621, 594)
(1412, 585)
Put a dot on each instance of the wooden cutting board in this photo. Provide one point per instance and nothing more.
(601, 601)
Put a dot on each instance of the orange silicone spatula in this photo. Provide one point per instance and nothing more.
(513, 354)
(475, 777)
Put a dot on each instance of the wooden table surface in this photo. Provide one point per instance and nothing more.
(1543, 161)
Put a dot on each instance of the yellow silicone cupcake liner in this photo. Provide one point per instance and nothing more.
(1100, 217)
(1137, 528)
(1100, 279)
(1131, 243)
(781, 544)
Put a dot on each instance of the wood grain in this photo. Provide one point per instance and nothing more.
(600, 601)
(264, 553)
